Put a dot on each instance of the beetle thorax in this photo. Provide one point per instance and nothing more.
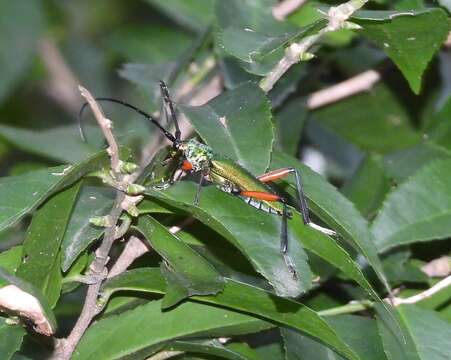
(198, 154)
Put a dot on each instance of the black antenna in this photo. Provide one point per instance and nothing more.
(170, 104)
(175, 140)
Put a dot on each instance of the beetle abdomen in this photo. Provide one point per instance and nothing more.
(260, 205)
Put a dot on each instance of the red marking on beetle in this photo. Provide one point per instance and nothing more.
(187, 166)
(260, 195)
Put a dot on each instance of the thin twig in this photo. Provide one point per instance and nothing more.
(296, 52)
(438, 267)
(425, 294)
(62, 83)
(357, 84)
(97, 269)
(106, 126)
(357, 306)
(286, 7)
(134, 248)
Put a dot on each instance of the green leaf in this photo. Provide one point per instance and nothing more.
(18, 39)
(428, 337)
(116, 336)
(62, 143)
(241, 297)
(149, 43)
(351, 328)
(404, 163)
(75, 271)
(335, 210)
(41, 248)
(399, 269)
(290, 122)
(410, 41)
(22, 194)
(10, 338)
(193, 14)
(368, 186)
(364, 122)
(184, 266)
(401, 221)
(254, 232)
(237, 124)
(234, 351)
(21, 298)
(440, 127)
(249, 32)
(80, 233)
(11, 258)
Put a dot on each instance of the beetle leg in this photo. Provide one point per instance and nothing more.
(266, 196)
(168, 104)
(280, 173)
(199, 188)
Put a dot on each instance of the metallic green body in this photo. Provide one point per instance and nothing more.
(227, 175)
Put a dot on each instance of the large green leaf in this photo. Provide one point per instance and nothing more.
(427, 336)
(368, 186)
(440, 126)
(18, 39)
(404, 163)
(410, 41)
(245, 298)
(22, 194)
(187, 273)
(290, 122)
(22, 299)
(80, 233)
(10, 338)
(403, 221)
(41, 249)
(334, 209)
(363, 121)
(255, 233)
(11, 258)
(234, 351)
(116, 336)
(237, 124)
(62, 143)
(350, 327)
(249, 32)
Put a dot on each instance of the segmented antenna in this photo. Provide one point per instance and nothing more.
(170, 104)
(174, 139)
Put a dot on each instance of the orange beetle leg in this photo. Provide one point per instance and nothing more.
(260, 195)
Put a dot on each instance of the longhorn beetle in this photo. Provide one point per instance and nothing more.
(226, 174)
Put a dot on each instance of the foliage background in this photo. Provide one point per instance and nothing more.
(386, 150)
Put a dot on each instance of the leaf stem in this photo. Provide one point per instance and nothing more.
(338, 17)
(352, 307)
(356, 306)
